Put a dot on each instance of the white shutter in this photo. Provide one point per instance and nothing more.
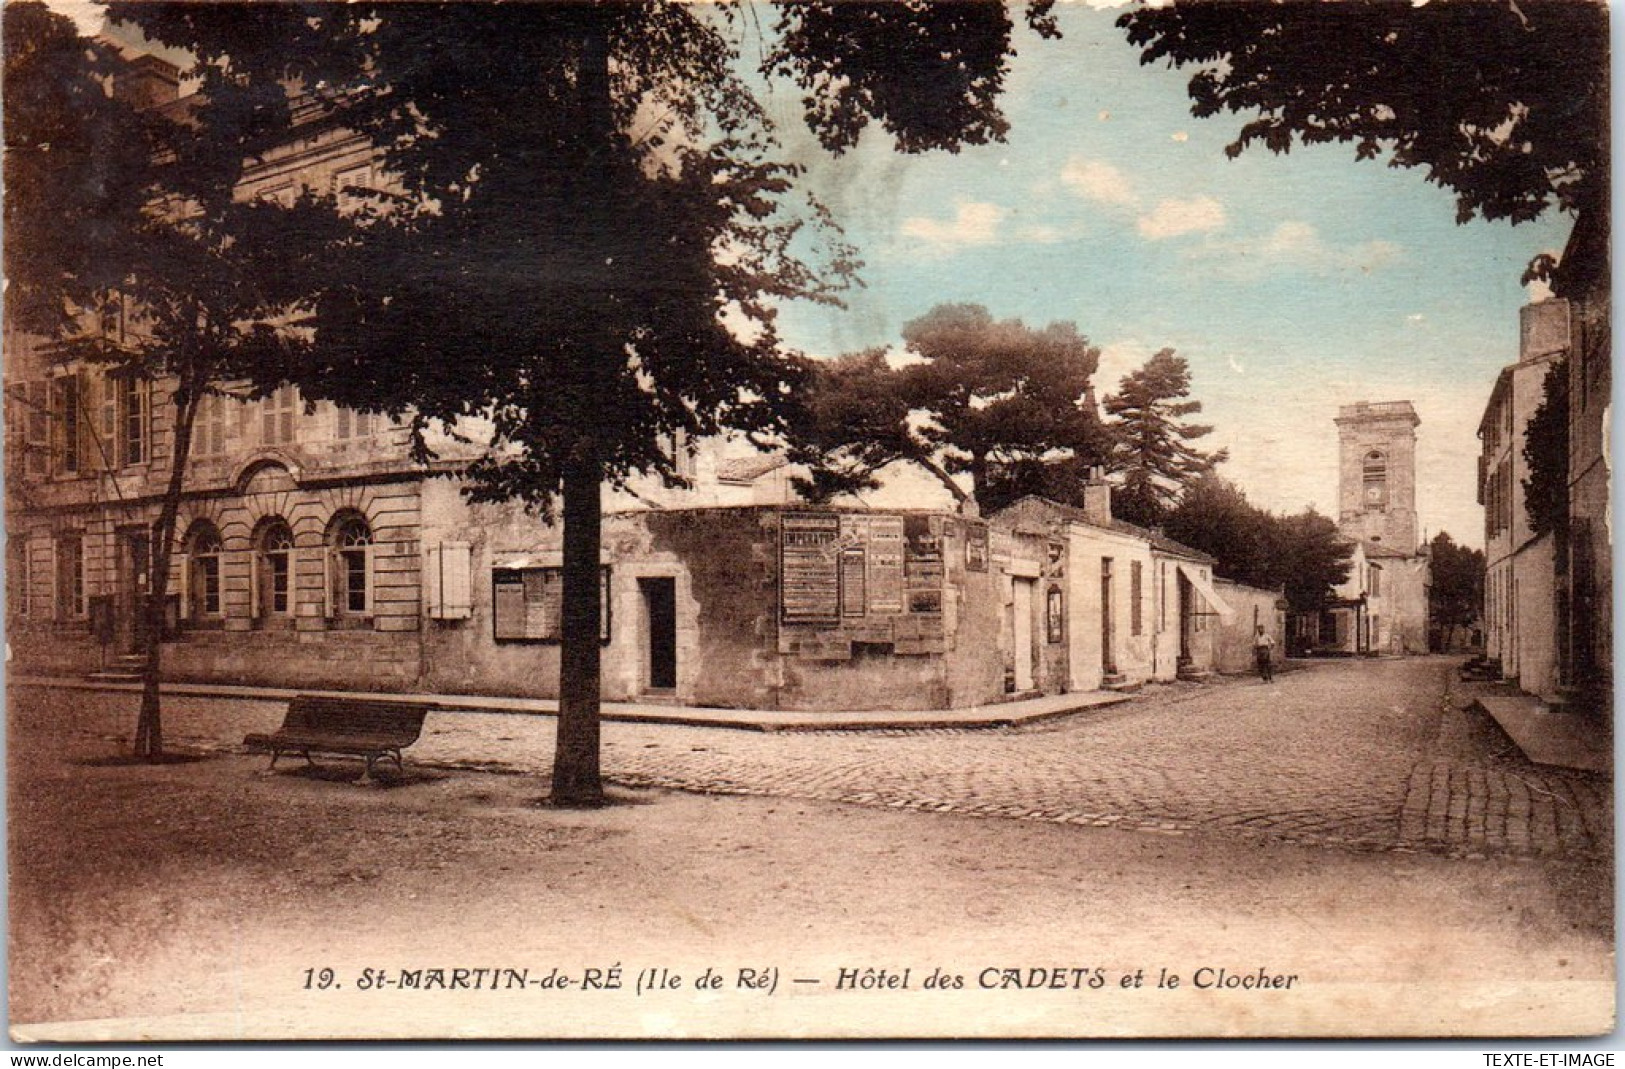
(432, 592)
(448, 581)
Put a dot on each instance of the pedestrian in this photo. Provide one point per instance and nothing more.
(1263, 653)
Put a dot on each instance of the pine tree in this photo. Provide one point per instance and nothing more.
(1151, 451)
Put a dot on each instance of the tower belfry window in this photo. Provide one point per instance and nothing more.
(1374, 480)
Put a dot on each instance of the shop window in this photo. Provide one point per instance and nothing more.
(272, 585)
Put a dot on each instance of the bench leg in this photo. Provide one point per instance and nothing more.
(366, 770)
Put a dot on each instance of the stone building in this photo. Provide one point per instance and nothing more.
(1519, 596)
(1377, 511)
(1548, 596)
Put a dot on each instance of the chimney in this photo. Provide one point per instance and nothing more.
(1544, 329)
(147, 81)
(1097, 498)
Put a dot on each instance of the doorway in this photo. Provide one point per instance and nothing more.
(134, 555)
(1108, 635)
(1021, 630)
(660, 625)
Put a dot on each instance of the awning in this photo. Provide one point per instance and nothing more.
(1205, 588)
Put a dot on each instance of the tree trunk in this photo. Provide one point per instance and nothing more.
(149, 733)
(576, 767)
(576, 775)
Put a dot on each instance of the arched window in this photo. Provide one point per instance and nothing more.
(273, 571)
(350, 568)
(200, 597)
(1374, 478)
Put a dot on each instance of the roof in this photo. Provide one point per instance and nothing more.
(1158, 541)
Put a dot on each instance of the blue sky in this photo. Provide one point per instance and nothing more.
(1292, 284)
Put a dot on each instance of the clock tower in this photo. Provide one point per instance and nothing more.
(1377, 474)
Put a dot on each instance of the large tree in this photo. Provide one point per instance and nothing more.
(1009, 405)
(126, 215)
(588, 227)
(1456, 586)
(1503, 103)
(1152, 452)
(1301, 554)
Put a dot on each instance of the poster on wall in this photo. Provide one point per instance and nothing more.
(922, 563)
(809, 568)
(885, 578)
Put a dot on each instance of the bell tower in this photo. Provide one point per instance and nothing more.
(1377, 473)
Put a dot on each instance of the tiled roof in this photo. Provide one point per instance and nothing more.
(1160, 542)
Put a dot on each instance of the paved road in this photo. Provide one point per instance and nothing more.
(1365, 755)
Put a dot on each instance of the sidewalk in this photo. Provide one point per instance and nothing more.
(1000, 715)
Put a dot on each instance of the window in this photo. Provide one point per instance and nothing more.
(350, 572)
(209, 431)
(273, 571)
(132, 416)
(37, 436)
(1374, 477)
(1136, 594)
(276, 416)
(70, 577)
(200, 597)
(353, 424)
(351, 186)
(1375, 585)
(65, 410)
(19, 575)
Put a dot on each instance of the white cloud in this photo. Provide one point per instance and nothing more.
(1180, 136)
(1292, 244)
(1098, 181)
(1171, 218)
(974, 223)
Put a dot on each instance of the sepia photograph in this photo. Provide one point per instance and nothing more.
(828, 520)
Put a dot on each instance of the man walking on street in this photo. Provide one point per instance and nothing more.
(1263, 650)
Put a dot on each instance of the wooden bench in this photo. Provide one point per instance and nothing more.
(356, 726)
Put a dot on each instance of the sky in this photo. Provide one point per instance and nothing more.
(1292, 284)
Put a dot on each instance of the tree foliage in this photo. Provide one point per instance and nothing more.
(1503, 104)
(1010, 405)
(1456, 590)
(586, 229)
(1301, 554)
(1546, 455)
(201, 284)
(77, 169)
(1151, 444)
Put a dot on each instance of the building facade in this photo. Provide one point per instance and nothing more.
(1377, 512)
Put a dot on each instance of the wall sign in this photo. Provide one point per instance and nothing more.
(527, 604)
(809, 568)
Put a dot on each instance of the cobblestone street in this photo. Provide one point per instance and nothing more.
(1363, 755)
